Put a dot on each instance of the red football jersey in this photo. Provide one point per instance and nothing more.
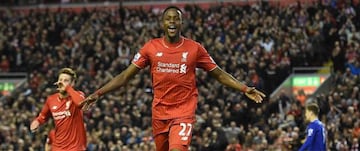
(70, 132)
(173, 69)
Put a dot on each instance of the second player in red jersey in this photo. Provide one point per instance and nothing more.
(64, 107)
(173, 60)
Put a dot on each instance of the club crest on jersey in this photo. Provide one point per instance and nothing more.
(184, 56)
(67, 105)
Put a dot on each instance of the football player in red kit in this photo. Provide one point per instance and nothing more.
(173, 60)
(65, 108)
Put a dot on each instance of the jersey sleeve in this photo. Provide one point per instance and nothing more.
(141, 59)
(45, 112)
(76, 96)
(204, 60)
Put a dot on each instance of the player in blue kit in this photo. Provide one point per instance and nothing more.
(316, 134)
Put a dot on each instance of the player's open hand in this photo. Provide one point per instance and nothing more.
(255, 95)
(89, 101)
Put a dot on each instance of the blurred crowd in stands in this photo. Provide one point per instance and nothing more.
(56, 2)
(259, 44)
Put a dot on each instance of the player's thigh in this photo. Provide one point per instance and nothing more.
(162, 141)
(180, 134)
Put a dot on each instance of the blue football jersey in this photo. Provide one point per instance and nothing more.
(316, 137)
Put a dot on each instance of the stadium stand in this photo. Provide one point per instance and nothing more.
(257, 43)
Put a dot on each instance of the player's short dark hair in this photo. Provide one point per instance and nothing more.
(70, 72)
(313, 107)
(171, 7)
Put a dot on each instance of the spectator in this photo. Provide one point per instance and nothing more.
(233, 145)
(4, 64)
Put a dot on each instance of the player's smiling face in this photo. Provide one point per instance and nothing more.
(172, 21)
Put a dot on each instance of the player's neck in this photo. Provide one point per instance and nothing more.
(313, 119)
(173, 42)
(63, 95)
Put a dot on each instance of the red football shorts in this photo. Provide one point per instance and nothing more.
(173, 133)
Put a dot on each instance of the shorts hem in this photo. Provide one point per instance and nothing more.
(179, 146)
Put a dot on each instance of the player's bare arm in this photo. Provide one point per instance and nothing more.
(228, 80)
(117, 82)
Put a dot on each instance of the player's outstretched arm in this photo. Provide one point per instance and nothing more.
(44, 115)
(118, 81)
(228, 80)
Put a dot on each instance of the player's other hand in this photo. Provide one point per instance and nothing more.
(89, 101)
(34, 126)
(255, 95)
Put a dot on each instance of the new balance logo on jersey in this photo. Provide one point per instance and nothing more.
(159, 54)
